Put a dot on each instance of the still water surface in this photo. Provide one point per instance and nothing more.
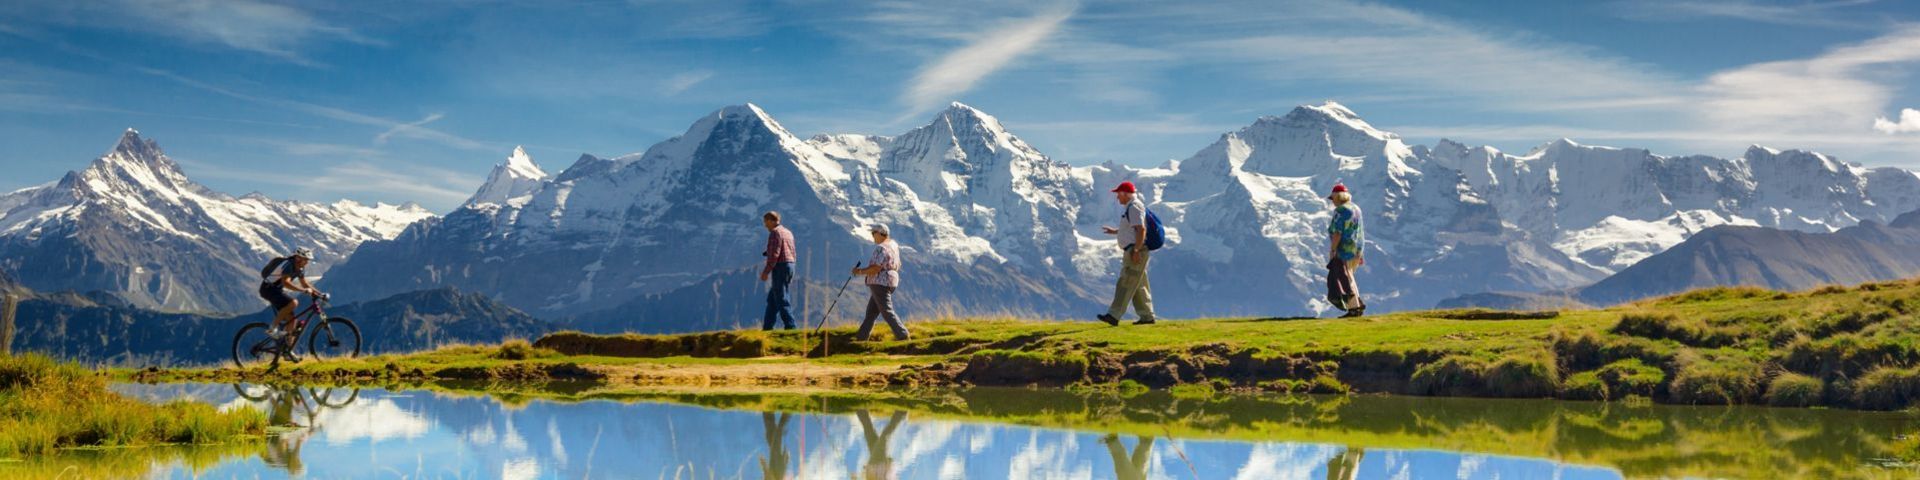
(995, 434)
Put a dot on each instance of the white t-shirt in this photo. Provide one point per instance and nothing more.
(886, 255)
(1135, 215)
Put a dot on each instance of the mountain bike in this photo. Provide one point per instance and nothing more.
(331, 338)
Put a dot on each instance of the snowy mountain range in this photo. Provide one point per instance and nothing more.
(990, 224)
(132, 224)
(668, 238)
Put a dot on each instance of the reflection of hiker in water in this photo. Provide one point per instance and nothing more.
(879, 463)
(1346, 465)
(774, 465)
(1129, 467)
(283, 450)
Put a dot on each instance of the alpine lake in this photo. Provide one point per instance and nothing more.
(566, 431)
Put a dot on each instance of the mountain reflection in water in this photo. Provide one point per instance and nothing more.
(995, 433)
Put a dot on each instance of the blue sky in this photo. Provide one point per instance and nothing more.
(370, 101)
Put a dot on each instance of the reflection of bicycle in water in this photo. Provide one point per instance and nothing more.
(282, 402)
(332, 337)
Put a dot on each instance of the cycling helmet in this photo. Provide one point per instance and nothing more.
(303, 252)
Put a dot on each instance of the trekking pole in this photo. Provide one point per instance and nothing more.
(824, 341)
(836, 300)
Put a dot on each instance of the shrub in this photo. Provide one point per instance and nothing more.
(1845, 322)
(1793, 390)
(1452, 375)
(1590, 350)
(1322, 383)
(1193, 390)
(1631, 377)
(1714, 294)
(1716, 379)
(518, 349)
(1669, 327)
(1846, 355)
(1887, 388)
(1584, 386)
(1827, 290)
(1523, 374)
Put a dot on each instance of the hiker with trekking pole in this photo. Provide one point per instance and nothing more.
(883, 278)
(1344, 253)
(1139, 234)
(778, 269)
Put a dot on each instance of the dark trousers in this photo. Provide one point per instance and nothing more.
(1342, 292)
(881, 305)
(782, 279)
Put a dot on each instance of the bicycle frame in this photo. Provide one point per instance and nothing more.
(315, 309)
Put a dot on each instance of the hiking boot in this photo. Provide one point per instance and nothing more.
(1354, 313)
(1109, 320)
(1143, 321)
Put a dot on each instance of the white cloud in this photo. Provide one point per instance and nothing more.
(1909, 122)
(1815, 14)
(406, 129)
(956, 72)
(393, 127)
(682, 81)
(270, 29)
(1840, 90)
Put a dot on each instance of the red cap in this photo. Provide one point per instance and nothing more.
(1125, 187)
(1338, 188)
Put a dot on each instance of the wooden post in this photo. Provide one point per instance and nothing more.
(6, 324)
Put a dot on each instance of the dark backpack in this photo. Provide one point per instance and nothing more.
(272, 265)
(1156, 235)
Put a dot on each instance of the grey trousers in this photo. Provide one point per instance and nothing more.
(1133, 288)
(880, 304)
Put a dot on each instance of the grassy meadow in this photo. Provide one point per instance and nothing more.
(1850, 347)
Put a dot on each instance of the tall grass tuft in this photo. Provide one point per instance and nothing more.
(46, 405)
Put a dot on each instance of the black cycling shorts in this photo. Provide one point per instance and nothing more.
(275, 296)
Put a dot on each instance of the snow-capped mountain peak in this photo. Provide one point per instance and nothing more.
(133, 224)
(511, 180)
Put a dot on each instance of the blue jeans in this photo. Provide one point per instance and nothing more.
(777, 303)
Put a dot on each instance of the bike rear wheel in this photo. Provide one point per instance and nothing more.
(252, 347)
(333, 339)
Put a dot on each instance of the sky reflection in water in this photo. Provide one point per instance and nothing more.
(417, 434)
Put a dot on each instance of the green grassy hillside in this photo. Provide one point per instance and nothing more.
(1847, 347)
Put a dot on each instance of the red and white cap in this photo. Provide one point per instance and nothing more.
(1338, 188)
(1125, 187)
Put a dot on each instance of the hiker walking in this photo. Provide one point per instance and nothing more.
(1132, 287)
(1344, 253)
(779, 269)
(883, 277)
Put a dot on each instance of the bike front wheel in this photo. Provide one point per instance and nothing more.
(252, 347)
(334, 339)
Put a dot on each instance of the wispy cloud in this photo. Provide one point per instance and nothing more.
(406, 129)
(269, 29)
(682, 81)
(1832, 14)
(1909, 122)
(393, 127)
(1841, 90)
(945, 78)
(367, 175)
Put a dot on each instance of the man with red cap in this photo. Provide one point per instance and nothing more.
(1132, 287)
(1345, 253)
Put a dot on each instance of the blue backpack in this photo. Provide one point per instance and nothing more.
(1156, 235)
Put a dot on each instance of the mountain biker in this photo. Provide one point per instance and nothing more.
(273, 288)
